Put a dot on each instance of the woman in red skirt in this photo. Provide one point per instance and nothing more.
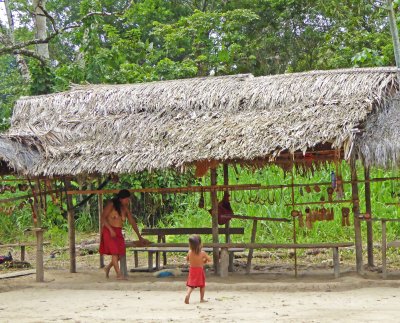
(112, 241)
(196, 258)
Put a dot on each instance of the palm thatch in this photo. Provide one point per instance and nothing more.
(130, 128)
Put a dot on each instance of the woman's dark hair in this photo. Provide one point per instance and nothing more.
(116, 200)
(195, 244)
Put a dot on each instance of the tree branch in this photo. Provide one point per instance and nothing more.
(20, 47)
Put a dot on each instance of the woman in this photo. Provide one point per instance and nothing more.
(112, 241)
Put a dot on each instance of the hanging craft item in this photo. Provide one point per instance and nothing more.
(330, 191)
(307, 188)
(271, 201)
(333, 179)
(34, 215)
(237, 198)
(301, 191)
(339, 188)
(308, 219)
(253, 199)
(201, 200)
(317, 188)
(294, 213)
(345, 216)
(301, 220)
(22, 187)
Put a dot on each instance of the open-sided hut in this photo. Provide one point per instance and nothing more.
(104, 129)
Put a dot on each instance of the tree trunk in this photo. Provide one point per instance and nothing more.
(41, 28)
(21, 63)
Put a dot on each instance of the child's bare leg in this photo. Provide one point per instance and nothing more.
(189, 291)
(107, 269)
(202, 291)
(115, 264)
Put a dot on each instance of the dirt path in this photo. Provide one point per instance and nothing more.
(89, 297)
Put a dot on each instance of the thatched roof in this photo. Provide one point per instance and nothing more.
(130, 128)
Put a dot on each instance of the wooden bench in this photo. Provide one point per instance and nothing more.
(224, 248)
(385, 244)
(162, 247)
(22, 245)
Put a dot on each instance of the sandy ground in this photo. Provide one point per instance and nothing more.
(88, 296)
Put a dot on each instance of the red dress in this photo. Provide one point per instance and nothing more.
(112, 246)
(196, 277)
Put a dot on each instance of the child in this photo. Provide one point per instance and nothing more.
(196, 258)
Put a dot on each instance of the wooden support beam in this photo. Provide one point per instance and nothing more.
(336, 262)
(99, 212)
(368, 209)
(253, 240)
(227, 225)
(224, 266)
(39, 256)
(214, 212)
(384, 247)
(356, 213)
(71, 228)
(39, 233)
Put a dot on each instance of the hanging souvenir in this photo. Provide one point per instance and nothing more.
(301, 221)
(201, 200)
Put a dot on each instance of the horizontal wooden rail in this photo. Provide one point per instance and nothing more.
(257, 218)
(321, 202)
(178, 231)
(253, 245)
(173, 189)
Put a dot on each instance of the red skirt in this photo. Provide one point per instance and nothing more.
(196, 277)
(112, 246)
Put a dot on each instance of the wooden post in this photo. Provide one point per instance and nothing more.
(214, 212)
(71, 228)
(39, 255)
(336, 262)
(253, 239)
(100, 211)
(368, 209)
(356, 212)
(39, 234)
(384, 270)
(227, 225)
(224, 262)
(22, 253)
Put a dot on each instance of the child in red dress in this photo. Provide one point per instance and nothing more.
(196, 258)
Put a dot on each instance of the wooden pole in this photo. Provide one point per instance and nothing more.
(71, 228)
(253, 240)
(368, 209)
(39, 235)
(214, 212)
(294, 225)
(356, 212)
(100, 211)
(384, 270)
(227, 225)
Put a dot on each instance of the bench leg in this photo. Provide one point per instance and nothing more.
(384, 269)
(224, 262)
(336, 263)
(164, 253)
(253, 239)
(136, 258)
(22, 253)
(123, 265)
(150, 260)
(231, 257)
